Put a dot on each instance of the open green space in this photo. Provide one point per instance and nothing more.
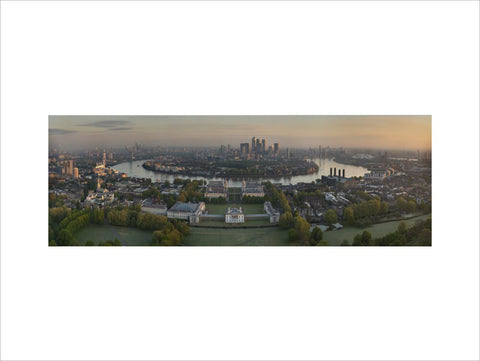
(236, 237)
(247, 208)
(234, 194)
(100, 233)
(334, 238)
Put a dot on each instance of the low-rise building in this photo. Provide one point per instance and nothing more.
(272, 213)
(101, 196)
(186, 211)
(379, 174)
(154, 207)
(234, 215)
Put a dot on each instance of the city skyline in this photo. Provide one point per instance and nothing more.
(408, 132)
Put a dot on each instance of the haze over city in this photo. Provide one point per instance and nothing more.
(374, 132)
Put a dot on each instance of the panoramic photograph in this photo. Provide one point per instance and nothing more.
(231, 180)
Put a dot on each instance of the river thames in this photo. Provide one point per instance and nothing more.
(135, 169)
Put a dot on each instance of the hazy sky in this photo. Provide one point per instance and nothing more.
(385, 132)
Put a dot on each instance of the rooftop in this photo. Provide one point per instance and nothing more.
(184, 207)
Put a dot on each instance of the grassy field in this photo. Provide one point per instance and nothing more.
(247, 208)
(334, 238)
(128, 236)
(234, 194)
(236, 237)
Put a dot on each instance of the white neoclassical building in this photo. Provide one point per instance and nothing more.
(234, 215)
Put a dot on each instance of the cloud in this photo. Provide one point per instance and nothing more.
(107, 123)
(122, 128)
(56, 131)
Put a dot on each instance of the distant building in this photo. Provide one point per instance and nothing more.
(70, 168)
(272, 213)
(216, 189)
(154, 207)
(276, 148)
(264, 146)
(378, 174)
(329, 197)
(245, 148)
(252, 189)
(75, 173)
(100, 197)
(234, 215)
(187, 211)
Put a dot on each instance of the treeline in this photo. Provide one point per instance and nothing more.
(299, 230)
(166, 232)
(218, 200)
(253, 200)
(301, 197)
(63, 224)
(407, 206)
(362, 214)
(61, 230)
(420, 234)
(278, 198)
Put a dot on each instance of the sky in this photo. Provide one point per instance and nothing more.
(403, 132)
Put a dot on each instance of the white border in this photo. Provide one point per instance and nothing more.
(239, 58)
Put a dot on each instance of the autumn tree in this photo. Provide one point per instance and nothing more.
(330, 217)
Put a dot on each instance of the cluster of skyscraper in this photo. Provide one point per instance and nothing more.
(69, 170)
(259, 146)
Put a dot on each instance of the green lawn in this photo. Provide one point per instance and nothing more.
(334, 238)
(236, 237)
(247, 208)
(128, 236)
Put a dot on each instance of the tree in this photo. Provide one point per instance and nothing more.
(402, 227)
(98, 216)
(182, 197)
(302, 227)
(174, 238)
(363, 239)
(316, 235)
(322, 243)
(348, 215)
(345, 243)
(286, 220)
(411, 206)
(89, 243)
(383, 207)
(65, 238)
(366, 238)
(57, 214)
(330, 217)
(402, 204)
(292, 235)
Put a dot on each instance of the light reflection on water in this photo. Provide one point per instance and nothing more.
(135, 169)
